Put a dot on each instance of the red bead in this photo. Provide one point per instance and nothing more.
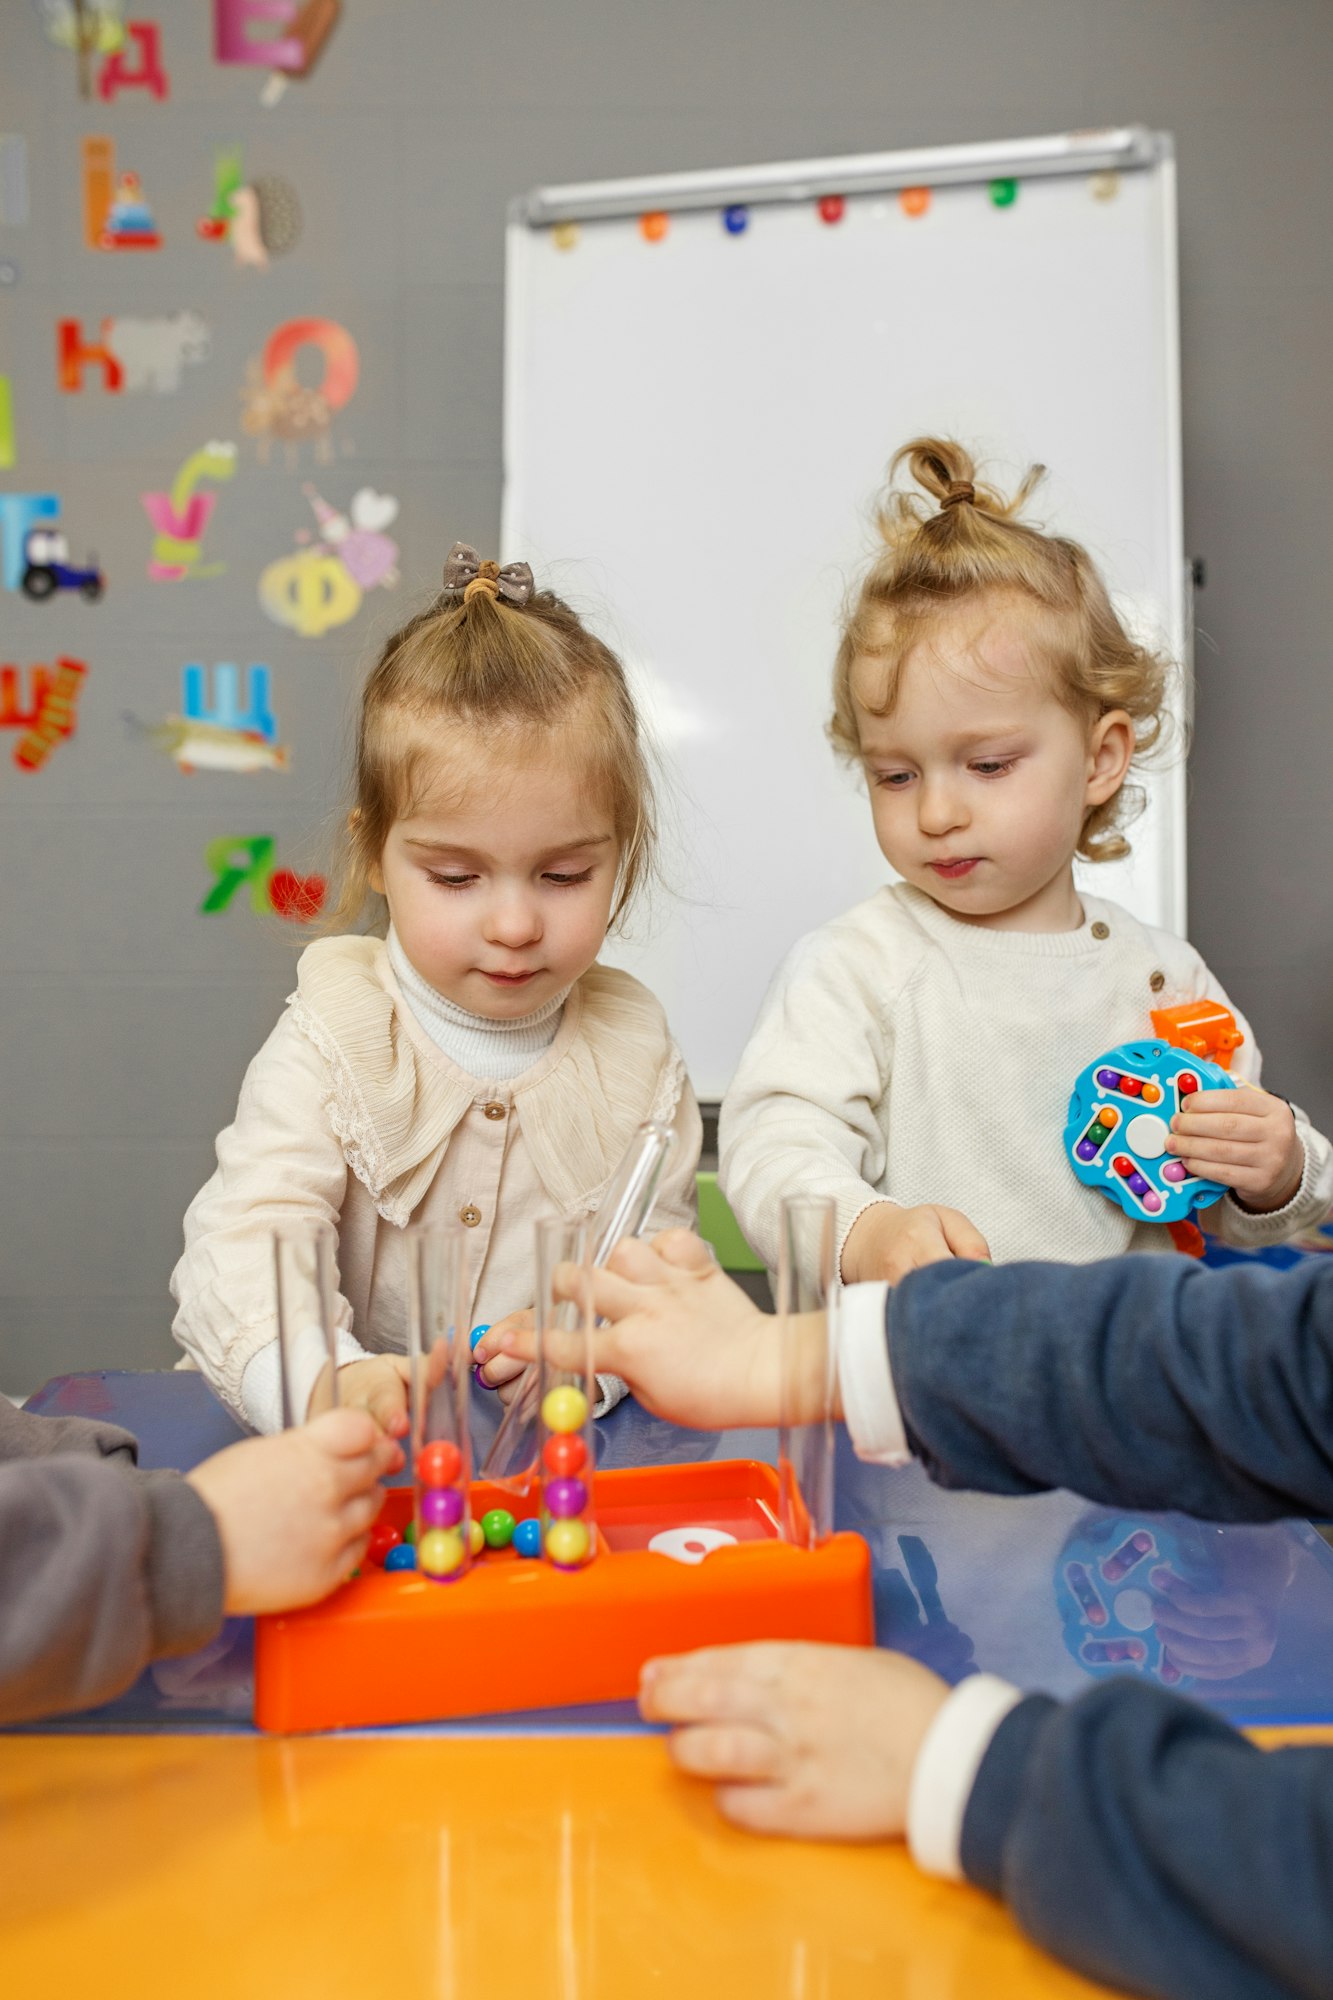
(1131, 1085)
(831, 208)
(564, 1453)
(1188, 1084)
(383, 1537)
(439, 1464)
(1123, 1166)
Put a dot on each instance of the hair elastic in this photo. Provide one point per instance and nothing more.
(959, 490)
(464, 570)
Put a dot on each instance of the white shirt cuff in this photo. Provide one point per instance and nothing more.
(869, 1400)
(261, 1383)
(875, 1201)
(946, 1769)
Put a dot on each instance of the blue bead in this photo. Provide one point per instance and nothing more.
(404, 1556)
(735, 220)
(528, 1538)
(476, 1335)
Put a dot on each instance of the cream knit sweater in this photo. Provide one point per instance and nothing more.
(903, 1055)
(351, 1115)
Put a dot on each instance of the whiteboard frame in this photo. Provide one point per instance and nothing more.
(1123, 149)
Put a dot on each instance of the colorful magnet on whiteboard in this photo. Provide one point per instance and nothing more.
(1003, 193)
(832, 208)
(736, 220)
(653, 226)
(565, 235)
(6, 425)
(914, 201)
(1104, 187)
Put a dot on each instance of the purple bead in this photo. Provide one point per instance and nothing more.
(1086, 1150)
(1137, 1185)
(565, 1498)
(441, 1507)
(1108, 1079)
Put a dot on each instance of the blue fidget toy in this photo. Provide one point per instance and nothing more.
(1119, 1122)
(1108, 1584)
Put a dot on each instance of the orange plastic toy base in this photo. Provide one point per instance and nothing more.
(515, 1633)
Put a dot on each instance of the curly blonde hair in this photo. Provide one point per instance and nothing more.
(970, 543)
(501, 670)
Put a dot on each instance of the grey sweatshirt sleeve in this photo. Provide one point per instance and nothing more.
(25, 1436)
(1145, 1842)
(102, 1569)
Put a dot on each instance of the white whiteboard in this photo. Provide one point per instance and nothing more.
(695, 432)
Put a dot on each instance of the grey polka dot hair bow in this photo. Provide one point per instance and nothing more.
(464, 570)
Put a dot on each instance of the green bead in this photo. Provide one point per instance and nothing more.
(410, 1533)
(498, 1528)
(1004, 193)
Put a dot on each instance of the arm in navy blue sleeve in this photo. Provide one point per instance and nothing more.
(1146, 1843)
(1147, 1382)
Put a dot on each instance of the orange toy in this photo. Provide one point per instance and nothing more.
(1202, 1028)
(396, 1646)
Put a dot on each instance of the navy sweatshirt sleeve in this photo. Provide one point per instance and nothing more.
(1147, 1382)
(1134, 1835)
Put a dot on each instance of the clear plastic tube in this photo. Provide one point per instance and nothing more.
(626, 1210)
(569, 1532)
(439, 1378)
(806, 1286)
(304, 1289)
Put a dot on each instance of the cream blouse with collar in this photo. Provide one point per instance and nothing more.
(351, 1115)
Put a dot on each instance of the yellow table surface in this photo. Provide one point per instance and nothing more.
(189, 1867)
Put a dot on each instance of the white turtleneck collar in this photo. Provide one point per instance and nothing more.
(496, 1050)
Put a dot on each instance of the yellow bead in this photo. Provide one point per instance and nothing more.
(565, 235)
(564, 1409)
(440, 1552)
(567, 1542)
(475, 1536)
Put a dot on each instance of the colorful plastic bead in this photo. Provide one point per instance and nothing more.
(564, 1454)
(403, 1556)
(441, 1507)
(1131, 1085)
(440, 1552)
(1187, 1084)
(476, 1539)
(1108, 1079)
(497, 1525)
(567, 1543)
(476, 1334)
(383, 1537)
(440, 1463)
(528, 1538)
(565, 1497)
(1109, 1117)
(410, 1533)
(564, 1409)
(1152, 1093)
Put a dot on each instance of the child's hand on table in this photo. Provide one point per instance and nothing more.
(294, 1512)
(1245, 1138)
(498, 1369)
(816, 1741)
(687, 1340)
(887, 1241)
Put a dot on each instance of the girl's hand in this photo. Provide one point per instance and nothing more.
(377, 1384)
(817, 1741)
(496, 1368)
(887, 1241)
(294, 1512)
(1244, 1138)
(687, 1340)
